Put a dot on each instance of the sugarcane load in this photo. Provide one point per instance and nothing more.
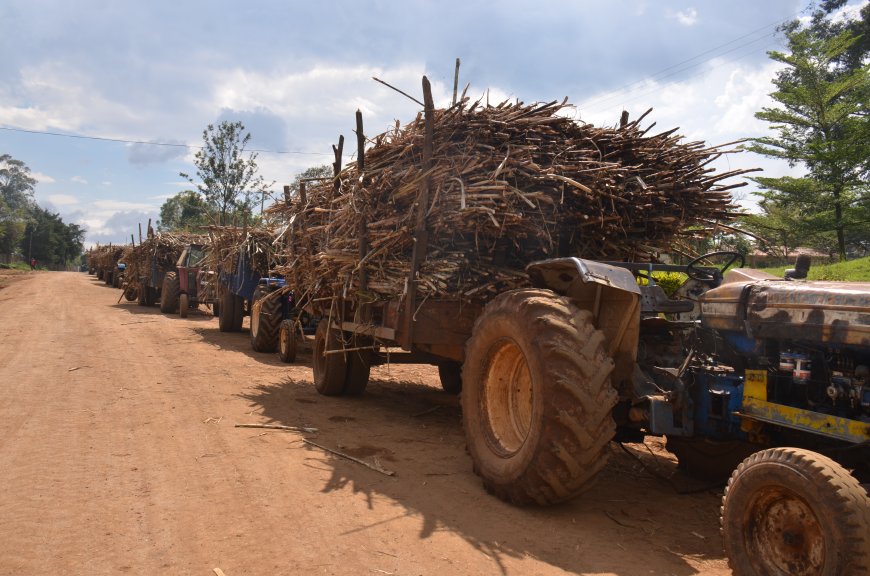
(507, 185)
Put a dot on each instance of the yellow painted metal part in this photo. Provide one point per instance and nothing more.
(805, 420)
(755, 384)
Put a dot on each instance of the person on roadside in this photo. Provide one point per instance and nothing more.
(33, 263)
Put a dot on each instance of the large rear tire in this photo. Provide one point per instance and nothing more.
(169, 293)
(789, 511)
(265, 321)
(183, 304)
(536, 398)
(330, 370)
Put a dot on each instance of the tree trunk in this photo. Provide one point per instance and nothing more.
(838, 223)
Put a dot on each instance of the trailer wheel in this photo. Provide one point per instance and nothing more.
(451, 377)
(287, 341)
(116, 280)
(131, 293)
(265, 320)
(330, 370)
(359, 367)
(536, 398)
(99, 274)
(789, 511)
(183, 304)
(107, 277)
(169, 294)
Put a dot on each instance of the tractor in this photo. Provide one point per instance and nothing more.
(190, 284)
(762, 378)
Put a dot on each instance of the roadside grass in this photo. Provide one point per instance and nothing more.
(857, 270)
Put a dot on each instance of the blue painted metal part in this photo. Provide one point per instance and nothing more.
(243, 280)
(717, 398)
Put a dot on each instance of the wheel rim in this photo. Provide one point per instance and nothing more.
(783, 534)
(508, 398)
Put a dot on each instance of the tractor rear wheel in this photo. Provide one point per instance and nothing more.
(265, 320)
(536, 398)
(789, 511)
(169, 293)
(183, 304)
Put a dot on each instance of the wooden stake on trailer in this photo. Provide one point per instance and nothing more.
(140, 232)
(336, 166)
(455, 81)
(363, 224)
(421, 235)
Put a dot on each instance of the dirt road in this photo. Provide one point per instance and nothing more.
(119, 454)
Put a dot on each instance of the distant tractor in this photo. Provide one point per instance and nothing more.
(189, 285)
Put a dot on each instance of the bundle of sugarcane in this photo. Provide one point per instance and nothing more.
(227, 243)
(507, 185)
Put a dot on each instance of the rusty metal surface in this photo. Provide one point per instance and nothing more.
(832, 312)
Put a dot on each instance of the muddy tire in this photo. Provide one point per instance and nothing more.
(330, 370)
(116, 280)
(265, 321)
(451, 377)
(789, 511)
(536, 398)
(169, 293)
(183, 304)
(107, 277)
(287, 341)
(99, 274)
(131, 293)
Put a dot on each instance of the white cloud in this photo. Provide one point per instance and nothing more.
(78, 180)
(688, 17)
(106, 183)
(716, 106)
(42, 178)
(119, 205)
(63, 199)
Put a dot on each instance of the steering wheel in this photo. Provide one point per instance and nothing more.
(694, 272)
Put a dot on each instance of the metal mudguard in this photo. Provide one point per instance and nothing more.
(612, 295)
(559, 274)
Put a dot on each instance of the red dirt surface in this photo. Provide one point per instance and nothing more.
(119, 455)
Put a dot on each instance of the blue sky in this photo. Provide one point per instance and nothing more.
(295, 72)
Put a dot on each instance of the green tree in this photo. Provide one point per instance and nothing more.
(16, 202)
(228, 178)
(51, 241)
(184, 211)
(822, 124)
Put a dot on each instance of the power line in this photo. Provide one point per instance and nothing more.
(679, 66)
(170, 144)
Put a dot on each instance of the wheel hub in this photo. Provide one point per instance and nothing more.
(507, 398)
(784, 534)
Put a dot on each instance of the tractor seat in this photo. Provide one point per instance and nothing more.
(654, 300)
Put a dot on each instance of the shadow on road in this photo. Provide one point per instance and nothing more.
(629, 522)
